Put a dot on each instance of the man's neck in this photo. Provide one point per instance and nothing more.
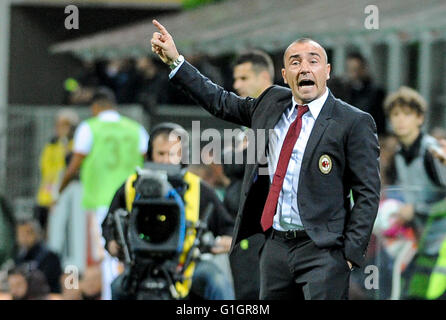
(300, 102)
(105, 110)
(323, 97)
(409, 139)
(266, 86)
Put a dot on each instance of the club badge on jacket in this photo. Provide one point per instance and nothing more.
(325, 164)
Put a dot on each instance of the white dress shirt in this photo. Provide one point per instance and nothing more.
(287, 213)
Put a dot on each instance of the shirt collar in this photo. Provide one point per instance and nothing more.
(109, 115)
(315, 106)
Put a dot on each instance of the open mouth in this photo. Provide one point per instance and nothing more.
(306, 83)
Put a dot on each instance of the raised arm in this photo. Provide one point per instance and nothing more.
(218, 101)
(163, 44)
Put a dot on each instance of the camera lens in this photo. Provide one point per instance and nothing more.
(157, 223)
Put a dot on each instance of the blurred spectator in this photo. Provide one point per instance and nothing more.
(438, 133)
(421, 178)
(121, 77)
(388, 146)
(202, 63)
(413, 165)
(152, 84)
(79, 95)
(107, 149)
(253, 73)
(91, 283)
(80, 88)
(27, 284)
(209, 280)
(35, 254)
(211, 171)
(205, 66)
(338, 86)
(436, 288)
(69, 290)
(362, 92)
(7, 233)
(235, 172)
(441, 153)
(88, 77)
(213, 175)
(53, 161)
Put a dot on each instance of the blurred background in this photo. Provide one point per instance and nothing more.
(46, 68)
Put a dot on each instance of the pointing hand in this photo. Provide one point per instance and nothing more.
(163, 44)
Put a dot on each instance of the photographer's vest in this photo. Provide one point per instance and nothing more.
(113, 157)
(192, 211)
(417, 185)
(52, 165)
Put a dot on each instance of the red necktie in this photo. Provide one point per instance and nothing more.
(284, 158)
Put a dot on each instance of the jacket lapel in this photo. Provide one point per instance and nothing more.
(274, 117)
(320, 125)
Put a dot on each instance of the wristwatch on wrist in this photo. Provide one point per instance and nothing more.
(177, 62)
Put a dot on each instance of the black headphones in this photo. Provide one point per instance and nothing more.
(165, 127)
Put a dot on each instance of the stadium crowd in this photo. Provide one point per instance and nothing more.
(408, 241)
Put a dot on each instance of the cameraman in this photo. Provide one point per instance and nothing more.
(208, 281)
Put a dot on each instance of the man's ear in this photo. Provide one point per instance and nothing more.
(328, 70)
(264, 75)
(284, 75)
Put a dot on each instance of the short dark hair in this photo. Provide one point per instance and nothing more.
(260, 61)
(104, 95)
(18, 270)
(358, 56)
(35, 225)
(36, 280)
(165, 128)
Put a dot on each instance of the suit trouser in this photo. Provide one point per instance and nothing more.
(245, 268)
(297, 269)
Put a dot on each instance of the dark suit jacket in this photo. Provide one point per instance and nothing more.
(40, 257)
(345, 133)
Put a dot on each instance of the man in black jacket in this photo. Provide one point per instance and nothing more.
(321, 153)
(33, 252)
(363, 92)
(253, 73)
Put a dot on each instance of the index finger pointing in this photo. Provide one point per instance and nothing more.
(160, 27)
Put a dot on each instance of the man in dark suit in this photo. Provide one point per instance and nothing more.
(253, 73)
(321, 152)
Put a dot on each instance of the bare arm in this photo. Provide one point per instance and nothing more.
(73, 167)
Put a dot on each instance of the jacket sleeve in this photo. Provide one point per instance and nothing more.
(109, 231)
(216, 100)
(362, 169)
(220, 222)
